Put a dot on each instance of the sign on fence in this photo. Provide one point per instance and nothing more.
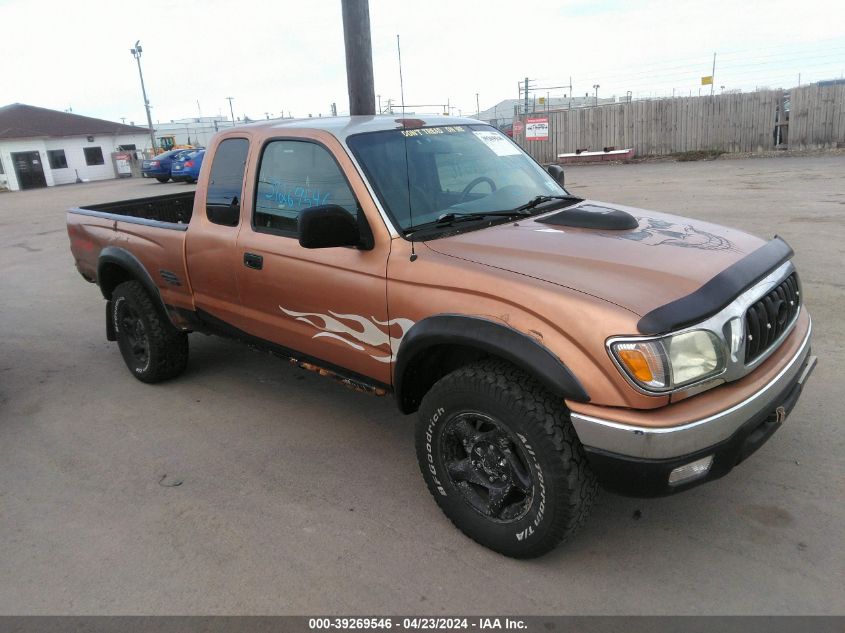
(537, 129)
(517, 126)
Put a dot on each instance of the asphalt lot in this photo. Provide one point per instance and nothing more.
(300, 496)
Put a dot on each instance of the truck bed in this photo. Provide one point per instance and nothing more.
(175, 208)
(149, 230)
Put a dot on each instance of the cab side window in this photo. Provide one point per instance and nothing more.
(226, 182)
(297, 175)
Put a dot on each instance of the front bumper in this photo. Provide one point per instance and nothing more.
(637, 460)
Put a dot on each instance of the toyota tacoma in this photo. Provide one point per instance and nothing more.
(548, 344)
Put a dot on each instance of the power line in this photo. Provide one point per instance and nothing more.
(725, 62)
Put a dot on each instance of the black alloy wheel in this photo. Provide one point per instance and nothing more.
(132, 328)
(484, 461)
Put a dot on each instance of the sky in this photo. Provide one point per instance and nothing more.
(287, 56)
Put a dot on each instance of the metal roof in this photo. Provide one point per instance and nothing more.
(19, 120)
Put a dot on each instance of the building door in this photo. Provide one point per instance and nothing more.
(29, 170)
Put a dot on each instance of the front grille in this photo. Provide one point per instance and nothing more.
(767, 319)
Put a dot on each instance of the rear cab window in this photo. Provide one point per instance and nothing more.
(226, 182)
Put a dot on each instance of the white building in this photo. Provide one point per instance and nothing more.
(42, 148)
(195, 131)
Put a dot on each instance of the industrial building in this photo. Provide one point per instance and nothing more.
(41, 147)
(195, 131)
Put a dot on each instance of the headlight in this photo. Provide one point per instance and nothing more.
(667, 363)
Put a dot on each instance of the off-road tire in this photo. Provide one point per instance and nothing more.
(162, 180)
(166, 347)
(564, 487)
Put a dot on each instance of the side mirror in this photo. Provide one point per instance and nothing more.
(225, 214)
(328, 226)
(556, 172)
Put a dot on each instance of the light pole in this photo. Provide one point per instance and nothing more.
(596, 86)
(231, 110)
(477, 107)
(136, 53)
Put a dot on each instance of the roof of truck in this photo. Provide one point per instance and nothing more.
(345, 126)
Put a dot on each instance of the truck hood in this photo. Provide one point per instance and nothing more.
(664, 258)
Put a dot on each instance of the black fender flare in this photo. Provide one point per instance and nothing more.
(116, 256)
(490, 338)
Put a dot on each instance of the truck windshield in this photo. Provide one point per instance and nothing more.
(450, 170)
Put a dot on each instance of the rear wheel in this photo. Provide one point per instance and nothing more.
(502, 460)
(162, 179)
(152, 348)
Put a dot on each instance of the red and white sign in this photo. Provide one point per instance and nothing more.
(537, 129)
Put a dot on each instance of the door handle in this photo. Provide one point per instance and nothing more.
(251, 260)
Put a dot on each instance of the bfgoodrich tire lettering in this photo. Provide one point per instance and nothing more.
(502, 460)
(152, 348)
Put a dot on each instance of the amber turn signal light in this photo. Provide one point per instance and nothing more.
(636, 363)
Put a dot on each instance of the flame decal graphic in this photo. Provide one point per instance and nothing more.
(362, 330)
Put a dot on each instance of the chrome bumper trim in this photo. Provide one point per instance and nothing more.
(661, 443)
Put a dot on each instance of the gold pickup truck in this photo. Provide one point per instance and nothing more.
(548, 343)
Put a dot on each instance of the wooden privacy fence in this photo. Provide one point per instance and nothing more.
(817, 117)
(730, 123)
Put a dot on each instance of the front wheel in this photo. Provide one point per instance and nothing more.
(152, 348)
(502, 460)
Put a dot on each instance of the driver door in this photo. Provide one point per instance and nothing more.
(326, 305)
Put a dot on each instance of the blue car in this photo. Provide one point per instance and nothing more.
(186, 168)
(159, 167)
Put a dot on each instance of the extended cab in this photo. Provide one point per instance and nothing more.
(547, 342)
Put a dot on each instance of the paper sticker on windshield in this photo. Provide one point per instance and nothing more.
(500, 145)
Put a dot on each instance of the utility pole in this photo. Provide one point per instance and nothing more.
(359, 56)
(379, 103)
(231, 110)
(713, 75)
(477, 107)
(525, 109)
(136, 53)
